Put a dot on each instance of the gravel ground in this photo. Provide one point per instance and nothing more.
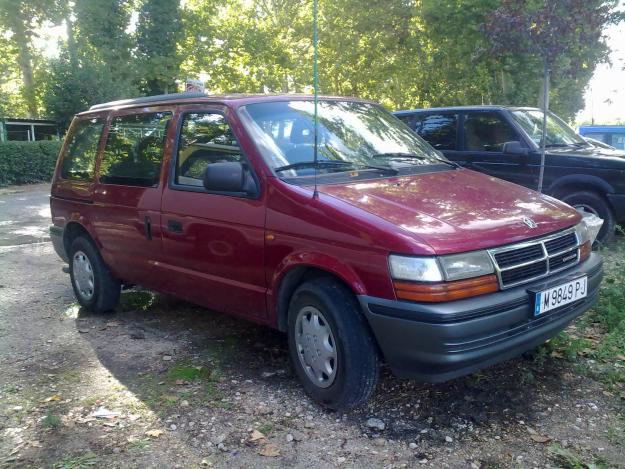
(161, 383)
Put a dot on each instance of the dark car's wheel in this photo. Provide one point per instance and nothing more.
(94, 286)
(331, 346)
(597, 205)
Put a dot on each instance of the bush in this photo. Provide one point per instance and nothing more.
(26, 162)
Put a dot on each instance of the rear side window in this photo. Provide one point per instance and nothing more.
(439, 130)
(79, 159)
(487, 131)
(134, 149)
(205, 138)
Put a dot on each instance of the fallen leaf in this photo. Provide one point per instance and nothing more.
(180, 382)
(154, 433)
(269, 450)
(540, 438)
(256, 435)
(621, 357)
(54, 397)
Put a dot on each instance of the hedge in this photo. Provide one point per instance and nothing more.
(26, 162)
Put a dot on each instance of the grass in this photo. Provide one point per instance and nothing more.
(568, 459)
(82, 461)
(51, 421)
(600, 334)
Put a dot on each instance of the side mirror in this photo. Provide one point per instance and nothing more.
(515, 148)
(230, 176)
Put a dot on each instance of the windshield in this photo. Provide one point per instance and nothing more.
(558, 133)
(352, 135)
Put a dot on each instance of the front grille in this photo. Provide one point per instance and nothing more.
(524, 262)
(519, 256)
(559, 244)
(518, 274)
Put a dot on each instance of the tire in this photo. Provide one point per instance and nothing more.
(594, 203)
(354, 376)
(94, 286)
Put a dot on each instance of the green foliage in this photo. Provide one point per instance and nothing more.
(51, 421)
(404, 53)
(159, 30)
(27, 162)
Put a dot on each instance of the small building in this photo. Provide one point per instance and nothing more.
(28, 130)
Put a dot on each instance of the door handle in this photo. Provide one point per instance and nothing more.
(148, 227)
(174, 226)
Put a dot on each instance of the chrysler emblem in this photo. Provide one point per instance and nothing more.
(529, 222)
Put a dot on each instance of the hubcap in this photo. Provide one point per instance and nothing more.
(83, 275)
(316, 347)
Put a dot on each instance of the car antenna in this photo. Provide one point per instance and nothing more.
(316, 93)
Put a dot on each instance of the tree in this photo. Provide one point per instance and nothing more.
(565, 35)
(102, 34)
(21, 17)
(159, 31)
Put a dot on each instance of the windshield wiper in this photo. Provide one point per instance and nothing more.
(414, 156)
(326, 163)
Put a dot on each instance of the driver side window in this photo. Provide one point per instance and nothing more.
(205, 138)
(487, 131)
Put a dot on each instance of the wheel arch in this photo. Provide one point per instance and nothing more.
(71, 231)
(294, 274)
(580, 182)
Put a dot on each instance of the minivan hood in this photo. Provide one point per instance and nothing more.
(459, 210)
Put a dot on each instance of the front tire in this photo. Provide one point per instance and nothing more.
(331, 346)
(597, 205)
(94, 286)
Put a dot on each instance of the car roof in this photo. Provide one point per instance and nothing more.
(615, 128)
(483, 107)
(233, 100)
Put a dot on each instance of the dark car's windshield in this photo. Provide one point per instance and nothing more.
(558, 133)
(352, 135)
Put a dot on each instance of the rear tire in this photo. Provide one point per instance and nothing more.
(94, 286)
(597, 205)
(331, 346)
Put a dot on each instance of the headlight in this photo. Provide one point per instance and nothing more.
(467, 265)
(588, 229)
(416, 269)
(431, 269)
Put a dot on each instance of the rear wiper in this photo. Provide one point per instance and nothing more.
(326, 163)
(414, 156)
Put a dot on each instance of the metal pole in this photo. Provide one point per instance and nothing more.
(543, 140)
(315, 90)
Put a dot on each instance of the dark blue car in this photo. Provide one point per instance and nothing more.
(504, 142)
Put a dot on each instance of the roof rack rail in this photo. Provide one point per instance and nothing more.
(149, 99)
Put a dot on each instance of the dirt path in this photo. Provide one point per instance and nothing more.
(192, 388)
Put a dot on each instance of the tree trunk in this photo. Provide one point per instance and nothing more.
(543, 140)
(24, 60)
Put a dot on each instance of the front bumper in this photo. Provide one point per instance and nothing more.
(437, 342)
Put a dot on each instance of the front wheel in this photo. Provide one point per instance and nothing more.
(593, 203)
(94, 286)
(331, 346)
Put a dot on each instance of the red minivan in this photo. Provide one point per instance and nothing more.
(381, 250)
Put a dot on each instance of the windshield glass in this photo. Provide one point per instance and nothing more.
(558, 133)
(352, 135)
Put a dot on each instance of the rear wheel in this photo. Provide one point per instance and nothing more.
(331, 346)
(593, 203)
(94, 286)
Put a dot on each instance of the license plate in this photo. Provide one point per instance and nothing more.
(553, 298)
